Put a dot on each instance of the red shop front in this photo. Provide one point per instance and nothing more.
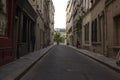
(6, 24)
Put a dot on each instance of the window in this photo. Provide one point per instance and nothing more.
(3, 17)
(24, 29)
(97, 24)
(94, 30)
(117, 31)
(86, 27)
(101, 25)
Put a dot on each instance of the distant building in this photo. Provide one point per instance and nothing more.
(60, 30)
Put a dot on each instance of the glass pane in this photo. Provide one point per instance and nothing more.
(3, 18)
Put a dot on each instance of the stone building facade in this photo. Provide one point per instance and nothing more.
(103, 29)
(112, 10)
(100, 25)
(51, 24)
(45, 22)
(39, 28)
(77, 15)
(69, 22)
(86, 24)
(93, 26)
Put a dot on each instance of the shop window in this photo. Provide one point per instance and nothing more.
(3, 17)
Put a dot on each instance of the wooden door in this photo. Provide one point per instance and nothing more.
(6, 16)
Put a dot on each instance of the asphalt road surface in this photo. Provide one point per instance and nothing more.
(64, 63)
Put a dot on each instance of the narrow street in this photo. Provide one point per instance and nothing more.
(64, 63)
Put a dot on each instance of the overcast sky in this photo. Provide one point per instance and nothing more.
(60, 13)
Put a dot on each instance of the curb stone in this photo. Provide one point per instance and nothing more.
(102, 59)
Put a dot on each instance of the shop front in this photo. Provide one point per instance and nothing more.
(6, 18)
(24, 28)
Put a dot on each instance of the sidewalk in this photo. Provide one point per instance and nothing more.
(16, 69)
(111, 63)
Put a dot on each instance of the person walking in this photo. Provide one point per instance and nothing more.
(57, 42)
(78, 43)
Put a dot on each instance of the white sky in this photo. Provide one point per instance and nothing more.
(60, 13)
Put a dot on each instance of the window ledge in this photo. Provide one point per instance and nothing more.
(87, 41)
(116, 47)
(96, 43)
